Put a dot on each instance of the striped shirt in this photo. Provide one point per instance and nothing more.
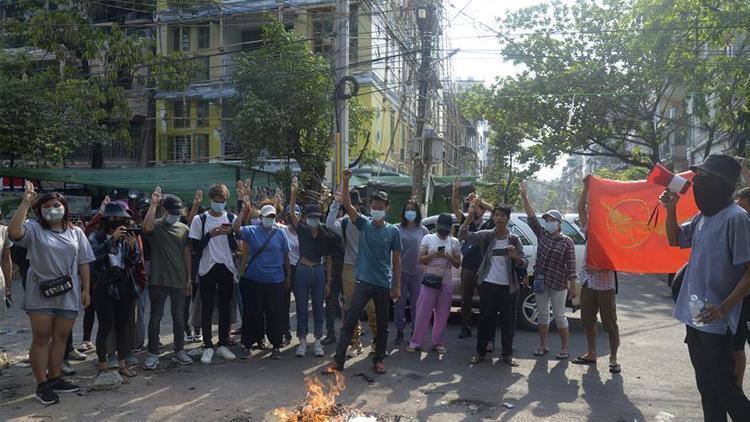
(555, 257)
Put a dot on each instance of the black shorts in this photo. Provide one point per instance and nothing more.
(743, 328)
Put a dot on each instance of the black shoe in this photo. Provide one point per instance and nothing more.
(465, 332)
(59, 385)
(45, 395)
(275, 353)
(329, 339)
(399, 338)
(287, 339)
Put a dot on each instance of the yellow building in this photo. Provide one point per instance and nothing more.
(195, 124)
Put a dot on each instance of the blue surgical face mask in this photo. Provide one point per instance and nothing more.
(313, 222)
(410, 215)
(378, 215)
(268, 222)
(218, 206)
(551, 226)
(171, 218)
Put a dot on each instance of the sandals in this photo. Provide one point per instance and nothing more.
(379, 368)
(540, 352)
(127, 372)
(562, 356)
(615, 368)
(582, 360)
(476, 359)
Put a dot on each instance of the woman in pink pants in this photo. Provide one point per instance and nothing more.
(437, 253)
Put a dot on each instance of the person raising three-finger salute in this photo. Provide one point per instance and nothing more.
(170, 274)
(379, 247)
(57, 284)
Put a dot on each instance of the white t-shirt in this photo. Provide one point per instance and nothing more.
(293, 240)
(430, 244)
(217, 251)
(499, 269)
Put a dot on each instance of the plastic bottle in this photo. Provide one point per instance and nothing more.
(696, 306)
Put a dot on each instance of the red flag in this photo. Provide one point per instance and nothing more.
(627, 226)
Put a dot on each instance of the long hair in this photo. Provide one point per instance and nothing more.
(418, 220)
(46, 198)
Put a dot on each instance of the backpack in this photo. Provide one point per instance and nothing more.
(200, 245)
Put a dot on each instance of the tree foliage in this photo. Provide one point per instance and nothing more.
(601, 77)
(74, 75)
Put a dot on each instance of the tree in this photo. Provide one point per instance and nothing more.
(602, 76)
(80, 87)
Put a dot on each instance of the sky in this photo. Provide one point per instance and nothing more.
(479, 58)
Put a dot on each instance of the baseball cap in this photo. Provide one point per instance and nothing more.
(444, 221)
(173, 205)
(379, 195)
(356, 199)
(722, 166)
(312, 211)
(554, 214)
(267, 210)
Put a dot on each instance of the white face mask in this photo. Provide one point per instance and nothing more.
(551, 226)
(171, 219)
(218, 206)
(268, 222)
(378, 215)
(53, 214)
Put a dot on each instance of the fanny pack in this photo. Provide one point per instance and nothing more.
(433, 281)
(60, 285)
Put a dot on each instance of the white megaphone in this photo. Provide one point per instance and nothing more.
(673, 182)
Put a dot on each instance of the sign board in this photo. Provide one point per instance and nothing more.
(77, 204)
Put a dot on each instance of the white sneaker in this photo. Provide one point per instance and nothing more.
(225, 353)
(208, 355)
(318, 349)
(302, 349)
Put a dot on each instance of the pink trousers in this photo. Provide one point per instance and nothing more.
(436, 304)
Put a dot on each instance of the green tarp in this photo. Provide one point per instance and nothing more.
(177, 179)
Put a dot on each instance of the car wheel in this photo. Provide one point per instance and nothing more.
(527, 313)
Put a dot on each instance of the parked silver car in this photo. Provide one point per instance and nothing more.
(518, 225)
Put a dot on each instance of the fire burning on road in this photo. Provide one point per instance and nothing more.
(320, 403)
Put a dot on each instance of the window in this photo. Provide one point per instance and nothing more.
(202, 114)
(201, 146)
(181, 148)
(250, 40)
(522, 237)
(353, 33)
(204, 69)
(180, 38)
(176, 38)
(323, 32)
(185, 38)
(180, 114)
(571, 232)
(204, 37)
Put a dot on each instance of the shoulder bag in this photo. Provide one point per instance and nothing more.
(60, 285)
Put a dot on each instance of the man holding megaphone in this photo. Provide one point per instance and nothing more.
(716, 281)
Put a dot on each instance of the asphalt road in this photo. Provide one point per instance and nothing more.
(657, 379)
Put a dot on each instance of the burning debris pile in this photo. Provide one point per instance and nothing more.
(320, 404)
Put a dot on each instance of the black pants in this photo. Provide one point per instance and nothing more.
(333, 306)
(157, 295)
(494, 299)
(363, 293)
(264, 312)
(114, 314)
(712, 356)
(89, 315)
(219, 277)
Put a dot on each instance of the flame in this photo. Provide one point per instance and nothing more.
(319, 405)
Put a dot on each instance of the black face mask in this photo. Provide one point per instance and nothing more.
(113, 224)
(711, 194)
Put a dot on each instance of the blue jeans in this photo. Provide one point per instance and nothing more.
(309, 282)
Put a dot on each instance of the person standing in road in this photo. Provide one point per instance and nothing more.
(212, 237)
(57, 251)
(378, 274)
(502, 256)
(293, 240)
(716, 280)
(554, 274)
(6, 270)
(350, 234)
(170, 274)
(472, 259)
(597, 296)
(438, 253)
(312, 281)
(266, 281)
(412, 232)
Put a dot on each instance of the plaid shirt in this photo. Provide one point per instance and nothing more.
(555, 257)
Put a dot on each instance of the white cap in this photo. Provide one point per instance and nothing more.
(267, 210)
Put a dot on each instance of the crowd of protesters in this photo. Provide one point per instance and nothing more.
(216, 267)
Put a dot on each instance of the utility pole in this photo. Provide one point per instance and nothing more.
(425, 24)
(341, 143)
